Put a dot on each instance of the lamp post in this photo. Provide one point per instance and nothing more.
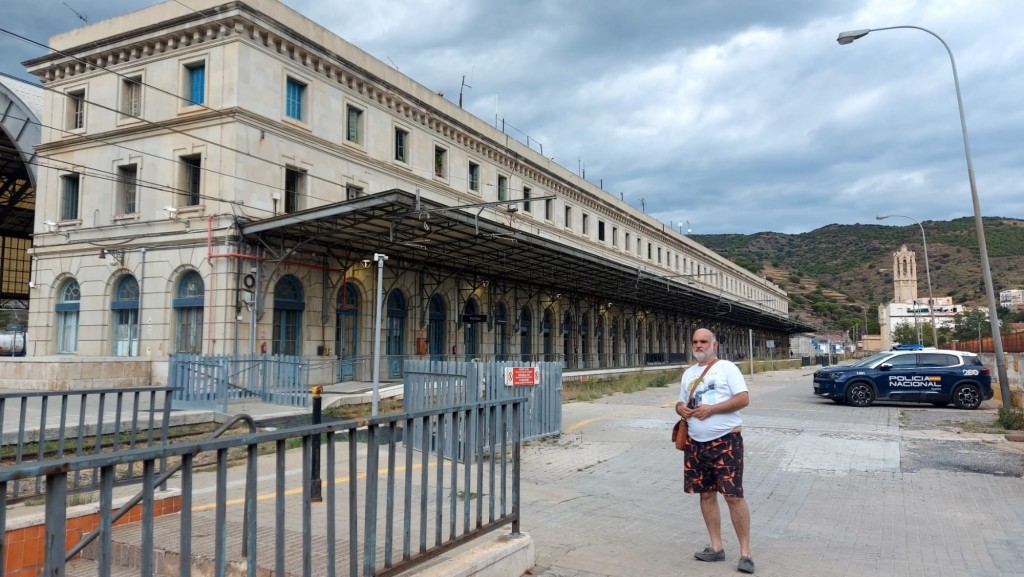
(927, 272)
(997, 343)
(379, 259)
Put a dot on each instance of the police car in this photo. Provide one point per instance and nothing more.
(922, 375)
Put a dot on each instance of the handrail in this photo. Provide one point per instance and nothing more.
(127, 506)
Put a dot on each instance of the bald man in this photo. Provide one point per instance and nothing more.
(713, 459)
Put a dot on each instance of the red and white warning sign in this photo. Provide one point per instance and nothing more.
(521, 376)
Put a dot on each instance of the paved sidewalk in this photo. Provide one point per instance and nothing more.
(824, 482)
(833, 490)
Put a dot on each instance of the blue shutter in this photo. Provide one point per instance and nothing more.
(293, 104)
(197, 83)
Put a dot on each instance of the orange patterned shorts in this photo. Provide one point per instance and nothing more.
(716, 465)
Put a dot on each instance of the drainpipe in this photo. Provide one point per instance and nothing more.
(142, 286)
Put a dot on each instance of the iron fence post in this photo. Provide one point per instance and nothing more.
(315, 457)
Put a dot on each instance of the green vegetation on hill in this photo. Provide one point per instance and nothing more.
(833, 272)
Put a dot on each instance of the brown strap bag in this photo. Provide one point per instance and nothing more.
(680, 432)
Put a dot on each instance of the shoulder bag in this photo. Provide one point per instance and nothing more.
(680, 432)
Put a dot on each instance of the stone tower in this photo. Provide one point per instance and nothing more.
(904, 275)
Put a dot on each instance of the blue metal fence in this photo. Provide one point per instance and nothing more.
(47, 425)
(210, 381)
(436, 384)
(385, 509)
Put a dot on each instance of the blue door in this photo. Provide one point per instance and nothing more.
(436, 320)
(470, 332)
(346, 342)
(397, 313)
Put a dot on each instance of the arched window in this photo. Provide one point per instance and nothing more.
(545, 331)
(288, 307)
(126, 317)
(614, 335)
(188, 307)
(569, 341)
(67, 317)
(585, 341)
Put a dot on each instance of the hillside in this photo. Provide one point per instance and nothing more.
(832, 272)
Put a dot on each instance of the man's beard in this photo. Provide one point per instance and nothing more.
(702, 356)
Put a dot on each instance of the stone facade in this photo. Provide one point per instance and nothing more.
(171, 127)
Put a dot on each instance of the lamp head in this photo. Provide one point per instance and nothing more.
(851, 35)
(366, 263)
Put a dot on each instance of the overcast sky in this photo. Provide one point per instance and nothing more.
(734, 116)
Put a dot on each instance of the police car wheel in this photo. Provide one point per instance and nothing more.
(966, 396)
(860, 395)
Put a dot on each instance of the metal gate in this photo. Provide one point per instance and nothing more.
(440, 384)
(205, 381)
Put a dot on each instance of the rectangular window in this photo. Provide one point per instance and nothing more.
(600, 230)
(293, 182)
(615, 236)
(401, 145)
(354, 121)
(440, 162)
(474, 177)
(131, 96)
(295, 94)
(568, 217)
(352, 192)
(127, 183)
(547, 210)
(649, 251)
(69, 184)
(659, 255)
(76, 109)
(502, 188)
(639, 246)
(627, 247)
(195, 83)
(526, 198)
(586, 223)
(191, 173)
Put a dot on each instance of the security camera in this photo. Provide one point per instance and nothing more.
(50, 225)
(172, 212)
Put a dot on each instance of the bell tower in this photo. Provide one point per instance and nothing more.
(904, 275)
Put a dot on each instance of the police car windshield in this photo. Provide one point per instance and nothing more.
(873, 360)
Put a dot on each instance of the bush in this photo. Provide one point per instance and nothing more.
(1010, 419)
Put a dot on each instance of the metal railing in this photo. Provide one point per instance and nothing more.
(414, 507)
(82, 423)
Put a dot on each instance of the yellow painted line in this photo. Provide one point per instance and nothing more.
(298, 490)
(579, 425)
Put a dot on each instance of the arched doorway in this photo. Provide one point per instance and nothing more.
(602, 354)
(627, 336)
(500, 332)
(568, 342)
(346, 336)
(545, 331)
(288, 307)
(585, 360)
(436, 333)
(188, 309)
(614, 335)
(471, 333)
(525, 335)
(397, 313)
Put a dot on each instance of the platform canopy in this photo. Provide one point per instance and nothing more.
(20, 109)
(414, 232)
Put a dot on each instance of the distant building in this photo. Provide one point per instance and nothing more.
(1012, 299)
(907, 306)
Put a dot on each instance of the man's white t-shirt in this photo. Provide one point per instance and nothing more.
(723, 381)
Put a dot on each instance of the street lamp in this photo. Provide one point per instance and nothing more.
(927, 272)
(379, 259)
(997, 343)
